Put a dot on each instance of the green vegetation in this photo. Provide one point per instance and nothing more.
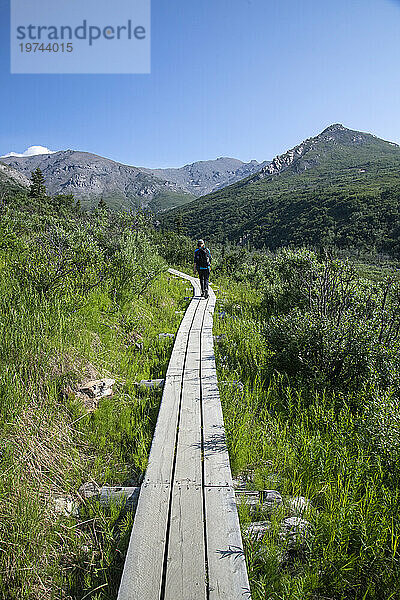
(82, 297)
(164, 200)
(316, 342)
(342, 191)
(161, 201)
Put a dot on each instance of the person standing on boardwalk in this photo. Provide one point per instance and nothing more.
(202, 265)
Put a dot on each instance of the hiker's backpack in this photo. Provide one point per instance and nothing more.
(203, 260)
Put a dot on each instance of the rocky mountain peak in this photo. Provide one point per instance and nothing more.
(335, 127)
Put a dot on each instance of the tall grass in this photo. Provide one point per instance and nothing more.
(80, 298)
(51, 445)
(335, 445)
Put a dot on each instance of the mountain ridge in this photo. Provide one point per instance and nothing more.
(90, 177)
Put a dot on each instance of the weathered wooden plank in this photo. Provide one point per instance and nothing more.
(186, 573)
(217, 469)
(159, 468)
(188, 452)
(227, 573)
(143, 570)
(127, 495)
(162, 451)
(144, 564)
(175, 366)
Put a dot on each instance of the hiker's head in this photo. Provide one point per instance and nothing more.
(200, 243)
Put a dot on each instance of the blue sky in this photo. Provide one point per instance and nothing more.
(243, 78)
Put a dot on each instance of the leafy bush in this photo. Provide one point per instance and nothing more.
(175, 248)
(332, 327)
(133, 266)
(57, 260)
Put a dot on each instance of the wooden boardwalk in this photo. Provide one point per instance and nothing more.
(186, 542)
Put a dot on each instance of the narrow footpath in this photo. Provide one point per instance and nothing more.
(186, 542)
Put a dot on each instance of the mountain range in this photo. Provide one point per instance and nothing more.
(340, 187)
(200, 178)
(89, 178)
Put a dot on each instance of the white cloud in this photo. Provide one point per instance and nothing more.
(31, 151)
